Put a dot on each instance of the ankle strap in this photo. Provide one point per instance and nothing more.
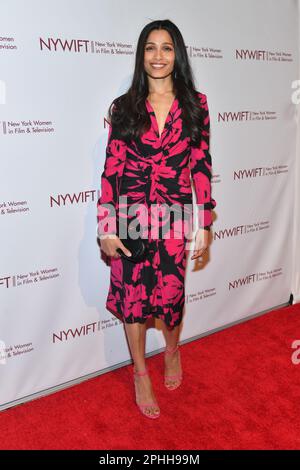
(140, 373)
(170, 351)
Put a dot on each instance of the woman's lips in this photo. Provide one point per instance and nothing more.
(158, 66)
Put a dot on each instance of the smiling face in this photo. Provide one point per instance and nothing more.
(159, 54)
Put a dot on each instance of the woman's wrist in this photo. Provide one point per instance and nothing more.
(107, 235)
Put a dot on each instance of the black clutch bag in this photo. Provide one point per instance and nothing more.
(137, 248)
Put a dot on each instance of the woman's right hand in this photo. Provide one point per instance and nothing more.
(110, 243)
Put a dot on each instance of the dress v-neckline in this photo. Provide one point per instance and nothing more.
(155, 119)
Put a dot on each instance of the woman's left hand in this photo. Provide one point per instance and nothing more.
(201, 243)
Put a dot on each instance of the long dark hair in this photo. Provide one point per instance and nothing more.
(128, 112)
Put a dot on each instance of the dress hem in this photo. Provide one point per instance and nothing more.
(143, 320)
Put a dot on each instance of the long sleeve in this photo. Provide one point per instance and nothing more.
(107, 204)
(201, 170)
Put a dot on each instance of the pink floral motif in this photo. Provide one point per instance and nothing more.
(175, 248)
(107, 192)
(173, 288)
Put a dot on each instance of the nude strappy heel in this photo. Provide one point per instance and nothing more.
(146, 406)
(177, 378)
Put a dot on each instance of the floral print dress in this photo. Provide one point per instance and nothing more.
(155, 171)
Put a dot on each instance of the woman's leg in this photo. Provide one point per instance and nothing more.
(171, 335)
(172, 361)
(136, 335)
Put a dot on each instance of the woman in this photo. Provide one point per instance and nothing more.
(158, 139)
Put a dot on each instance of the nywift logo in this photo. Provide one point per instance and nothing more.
(241, 230)
(254, 277)
(85, 46)
(256, 172)
(246, 115)
(263, 55)
(72, 333)
(61, 200)
(58, 44)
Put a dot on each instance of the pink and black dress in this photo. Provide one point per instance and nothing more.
(155, 171)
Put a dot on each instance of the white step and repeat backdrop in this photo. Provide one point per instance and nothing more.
(61, 65)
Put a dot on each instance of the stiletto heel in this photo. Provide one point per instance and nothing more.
(177, 377)
(144, 406)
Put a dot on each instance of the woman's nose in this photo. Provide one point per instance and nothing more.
(158, 54)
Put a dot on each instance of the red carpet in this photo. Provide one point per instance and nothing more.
(240, 391)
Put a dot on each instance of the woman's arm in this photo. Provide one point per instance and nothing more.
(201, 170)
(110, 179)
